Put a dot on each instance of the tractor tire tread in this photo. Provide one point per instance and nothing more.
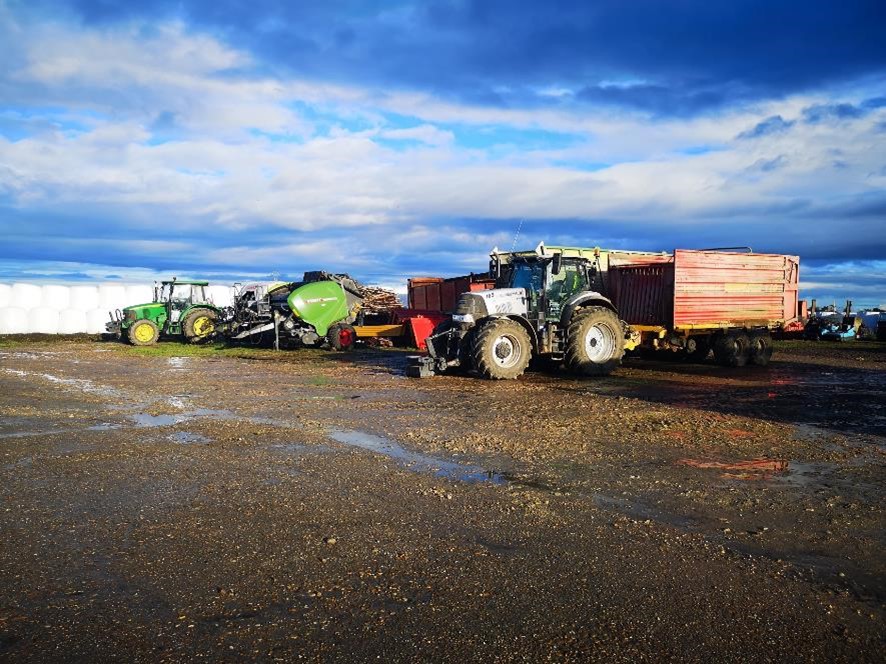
(191, 318)
(481, 351)
(130, 333)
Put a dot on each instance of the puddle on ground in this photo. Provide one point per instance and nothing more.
(188, 438)
(28, 434)
(415, 461)
(79, 383)
(299, 449)
(804, 474)
(800, 474)
(146, 420)
(104, 426)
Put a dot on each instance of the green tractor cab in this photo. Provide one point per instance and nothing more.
(180, 308)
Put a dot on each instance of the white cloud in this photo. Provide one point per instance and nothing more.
(212, 166)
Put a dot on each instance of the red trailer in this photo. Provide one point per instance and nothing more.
(439, 294)
(698, 299)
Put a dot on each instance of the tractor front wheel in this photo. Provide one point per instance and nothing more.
(341, 336)
(501, 350)
(595, 342)
(199, 324)
(143, 332)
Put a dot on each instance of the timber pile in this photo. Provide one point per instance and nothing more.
(379, 300)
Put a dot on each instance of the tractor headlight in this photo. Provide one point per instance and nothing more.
(463, 318)
(129, 315)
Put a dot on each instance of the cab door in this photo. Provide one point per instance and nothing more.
(571, 279)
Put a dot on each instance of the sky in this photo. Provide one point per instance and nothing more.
(234, 140)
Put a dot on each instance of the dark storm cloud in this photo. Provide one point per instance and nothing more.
(676, 58)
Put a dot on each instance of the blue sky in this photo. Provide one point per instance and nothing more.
(236, 140)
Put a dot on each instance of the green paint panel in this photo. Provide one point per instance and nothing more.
(321, 304)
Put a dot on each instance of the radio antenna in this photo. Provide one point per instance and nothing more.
(517, 235)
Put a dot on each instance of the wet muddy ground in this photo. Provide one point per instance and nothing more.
(177, 503)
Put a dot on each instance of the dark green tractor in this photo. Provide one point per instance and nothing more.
(180, 309)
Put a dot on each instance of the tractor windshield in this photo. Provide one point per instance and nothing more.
(526, 274)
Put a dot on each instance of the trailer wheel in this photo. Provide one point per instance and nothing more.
(501, 350)
(341, 336)
(143, 332)
(761, 349)
(594, 342)
(199, 325)
(701, 349)
(732, 350)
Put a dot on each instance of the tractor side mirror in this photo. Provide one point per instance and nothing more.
(557, 265)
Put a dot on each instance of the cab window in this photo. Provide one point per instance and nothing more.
(562, 286)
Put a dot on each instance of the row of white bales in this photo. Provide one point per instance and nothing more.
(27, 308)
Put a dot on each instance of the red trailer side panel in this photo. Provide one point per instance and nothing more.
(713, 288)
(437, 294)
(642, 293)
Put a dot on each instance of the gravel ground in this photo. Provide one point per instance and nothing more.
(179, 503)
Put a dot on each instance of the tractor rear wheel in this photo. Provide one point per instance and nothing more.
(761, 348)
(341, 336)
(199, 324)
(594, 342)
(733, 349)
(143, 332)
(501, 350)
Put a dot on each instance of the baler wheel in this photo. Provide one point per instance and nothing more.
(143, 332)
(341, 337)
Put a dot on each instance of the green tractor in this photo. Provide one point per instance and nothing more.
(180, 309)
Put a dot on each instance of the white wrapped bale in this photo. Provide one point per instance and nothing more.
(5, 295)
(84, 298)
(72, 321)
(96, 320)
(112, 297)
(56, 297)
(138, 294)
(26, 296)
(13, 320)
(43, 320)
(221, 296)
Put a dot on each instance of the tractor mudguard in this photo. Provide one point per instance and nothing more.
(584, 299)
